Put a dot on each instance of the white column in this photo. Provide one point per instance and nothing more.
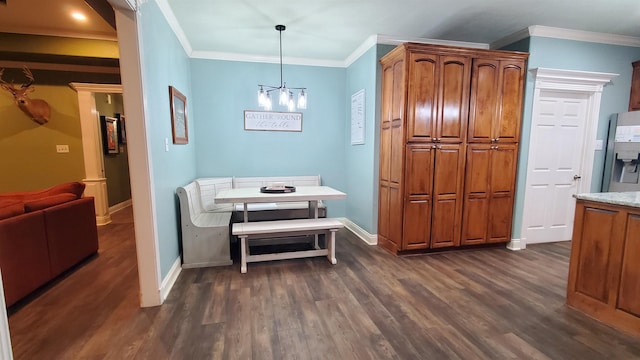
(92, 146)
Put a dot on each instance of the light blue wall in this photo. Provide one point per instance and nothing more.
(222, 90)
(165, 63)
(575, 55)
(361, 164)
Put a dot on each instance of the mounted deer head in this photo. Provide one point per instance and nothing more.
(37, 109)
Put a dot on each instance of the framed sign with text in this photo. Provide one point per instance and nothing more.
(272, 121)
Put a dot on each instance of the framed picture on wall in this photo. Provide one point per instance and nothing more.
(122, 133)
(179, 126)
(109, 129)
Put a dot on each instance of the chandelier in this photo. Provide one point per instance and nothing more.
(285, 95)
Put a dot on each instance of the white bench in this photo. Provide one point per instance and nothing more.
(205, 224)
(286, 228)
(205, 234)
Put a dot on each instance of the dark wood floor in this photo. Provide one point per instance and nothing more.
(481, 304)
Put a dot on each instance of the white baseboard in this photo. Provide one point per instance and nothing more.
(120, 206)
(170, 279)
(517, 244)
(370, 239)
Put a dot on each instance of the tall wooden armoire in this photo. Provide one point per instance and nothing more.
(450, 126)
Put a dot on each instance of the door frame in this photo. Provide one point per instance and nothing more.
(570, 81)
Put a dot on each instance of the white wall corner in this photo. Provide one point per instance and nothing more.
(517, 244)
(586, 36)
(369, 239)
(510, 39)
(170, 279)
(166, 10)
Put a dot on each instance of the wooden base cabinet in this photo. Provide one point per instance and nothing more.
(427, 91)
(489, 193)
(433, 195)
(604, 277)
(634, 98)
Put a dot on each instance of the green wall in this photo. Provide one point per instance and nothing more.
(116, 166)
(28, 156)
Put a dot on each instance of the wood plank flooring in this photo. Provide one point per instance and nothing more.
(480, 304)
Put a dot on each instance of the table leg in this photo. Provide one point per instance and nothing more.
(243, 254)
(313, 207)
(331, 246)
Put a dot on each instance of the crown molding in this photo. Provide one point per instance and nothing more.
(360, 50)
(567, 34)
(166, 10)
(571, 79)
(586, 36)
(396, 40)
(215, 55)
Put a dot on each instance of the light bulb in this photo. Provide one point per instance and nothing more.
(284, 95)
(292, 104)
(302, 100)
(262, 97)
(267, 102)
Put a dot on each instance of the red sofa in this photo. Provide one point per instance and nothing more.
(42, 234)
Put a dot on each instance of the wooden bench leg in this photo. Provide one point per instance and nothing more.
(331, 246)
(243, 254)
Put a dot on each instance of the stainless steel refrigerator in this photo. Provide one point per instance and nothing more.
(622, 159)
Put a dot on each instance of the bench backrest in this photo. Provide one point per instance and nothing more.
(257, 182)
(190, 205)
(209, 188)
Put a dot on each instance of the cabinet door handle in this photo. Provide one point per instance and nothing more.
(434, 139)
(497, 139)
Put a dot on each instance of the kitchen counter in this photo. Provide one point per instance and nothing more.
(605, 253)
(630, 198)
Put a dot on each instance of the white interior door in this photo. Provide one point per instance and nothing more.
(554, 168)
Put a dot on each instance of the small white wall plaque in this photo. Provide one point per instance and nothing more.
(272, 121)
(357, 118)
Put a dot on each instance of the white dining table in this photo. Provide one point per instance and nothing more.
(312, 194)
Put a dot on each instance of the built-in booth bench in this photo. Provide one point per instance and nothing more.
(205, 225)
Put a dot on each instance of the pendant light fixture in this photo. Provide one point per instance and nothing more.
(285, 95)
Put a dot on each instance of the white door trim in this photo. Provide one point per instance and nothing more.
(5, 339)
(586, 82)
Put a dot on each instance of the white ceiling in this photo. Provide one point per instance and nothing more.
(333, 29)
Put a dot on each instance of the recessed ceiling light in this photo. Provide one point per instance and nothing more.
(78, 16)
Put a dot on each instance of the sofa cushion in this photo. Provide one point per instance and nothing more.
(49, 201)
(75, 187)
(10, 207)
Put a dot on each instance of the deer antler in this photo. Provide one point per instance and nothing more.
(29, 76)
(5, 85)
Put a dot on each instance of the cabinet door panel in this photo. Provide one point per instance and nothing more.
(500, 216)
(484, 96)
(503, 168)
(507, 127)
(448, 177)
(593, 264)
(453, 109)
(419, 170)
(397, 97)
(629, 288)
(395, 215)
(397, 153)
(422, 97)
(476, 218)
(417, 224)
(383, 210)
(418, 186)
(477, 187)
